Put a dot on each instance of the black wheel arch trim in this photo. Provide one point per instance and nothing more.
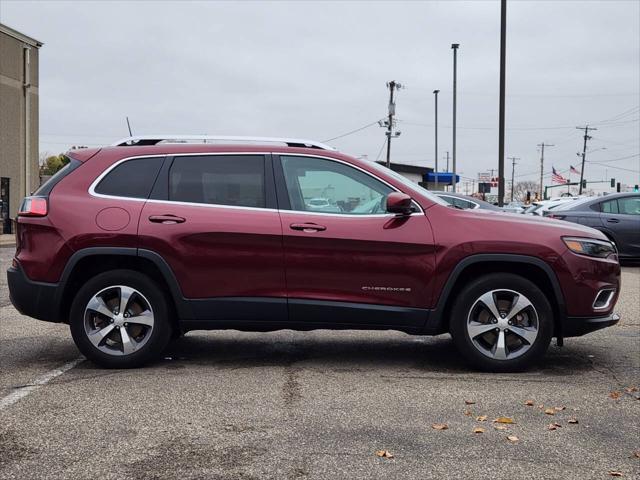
(437, 321)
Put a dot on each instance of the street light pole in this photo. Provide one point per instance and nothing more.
(454, 46)
(503, 52)
(435, 93)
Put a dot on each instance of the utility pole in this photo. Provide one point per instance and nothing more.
(513, 171)
(542, 145)
(503, 54)
(393, 86)
(435, 93)
(584, 153)
(454, 46)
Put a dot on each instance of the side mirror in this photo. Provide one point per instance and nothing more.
(399, 203)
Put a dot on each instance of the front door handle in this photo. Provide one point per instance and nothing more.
(166, 219)
(613, 220)
(307, 227)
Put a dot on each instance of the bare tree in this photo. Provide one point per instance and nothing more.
(521, 189)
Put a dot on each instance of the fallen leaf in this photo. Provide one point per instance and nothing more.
(513, 438)
(384, 454)
(468, 413)
(504, 420)
(540, 406)
(481, 418)
(615, 395)
(554, 426)
(500, 427)
(636, 454)
(573, 421)
(470, 402)
(478, 430)
(529, 403)
(559, 409)
(615, 473)
(550, 411)
(440, 426)
(631, 389)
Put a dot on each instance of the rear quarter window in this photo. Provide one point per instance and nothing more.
(131, 178)
(46, 187)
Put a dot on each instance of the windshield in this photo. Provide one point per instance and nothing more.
(409, 183)
(575, 203)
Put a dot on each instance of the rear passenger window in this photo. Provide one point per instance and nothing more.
(610, 207)
(236, 180)
(132, 178)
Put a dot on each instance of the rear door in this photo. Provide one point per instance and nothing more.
(213, 219)
(621, 216)
(348, 261)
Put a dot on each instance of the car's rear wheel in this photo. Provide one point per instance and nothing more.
(502, 322)
(119, 319)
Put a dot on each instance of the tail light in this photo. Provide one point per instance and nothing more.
(34, 207)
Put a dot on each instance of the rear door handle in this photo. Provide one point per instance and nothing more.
(307, 227)
(166, 219)
(613, 220)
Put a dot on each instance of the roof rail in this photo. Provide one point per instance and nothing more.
(139, 140)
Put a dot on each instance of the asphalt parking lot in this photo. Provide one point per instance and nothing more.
(290, 405)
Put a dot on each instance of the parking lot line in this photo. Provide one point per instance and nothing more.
(37, 383)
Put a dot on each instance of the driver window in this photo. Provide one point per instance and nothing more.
(326, 186)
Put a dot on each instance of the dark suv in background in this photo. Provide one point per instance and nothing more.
(155, 236)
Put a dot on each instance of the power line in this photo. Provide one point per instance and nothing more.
(352, 131)
(615, 159)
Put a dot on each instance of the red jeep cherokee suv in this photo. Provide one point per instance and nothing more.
(155, 236)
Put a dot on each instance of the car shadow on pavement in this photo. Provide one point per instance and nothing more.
(331, 351)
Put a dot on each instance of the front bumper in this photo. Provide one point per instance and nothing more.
(578, 326)
(34, 299)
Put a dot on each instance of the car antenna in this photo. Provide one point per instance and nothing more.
(129, 127)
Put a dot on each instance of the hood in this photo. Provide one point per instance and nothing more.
(537, 223)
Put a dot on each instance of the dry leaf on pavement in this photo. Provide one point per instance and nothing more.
(554, 426)
(468, 413)
(440, 426)
(615, 395)
(478, 430)
(384, 454)
(615, 473)
(559, 409)
(631, 389)
(500, 427)
(636, 454)
(529, 403)
(513, 438)
(504, 420)
(573, 421)
(481, 418)
(470, 402)
(550, 411)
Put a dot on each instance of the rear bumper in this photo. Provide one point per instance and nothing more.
(34, 299)
(578, 326)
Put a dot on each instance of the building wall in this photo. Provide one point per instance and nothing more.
(12, 119)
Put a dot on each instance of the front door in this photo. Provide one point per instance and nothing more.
(217, 227)
(347, 260)
(622, 217)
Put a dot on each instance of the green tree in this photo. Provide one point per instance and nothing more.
(52, 164)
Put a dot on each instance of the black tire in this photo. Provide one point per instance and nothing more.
(462, 310)
(159, 335)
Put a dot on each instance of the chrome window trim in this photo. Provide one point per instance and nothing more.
(475, 205)
(95, 183)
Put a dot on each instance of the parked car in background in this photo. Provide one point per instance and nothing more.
(514, 207)
(321, 205)
(150, 238)
(616, 215)
(543, 207)
(466, 202)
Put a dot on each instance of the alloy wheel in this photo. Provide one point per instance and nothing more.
(502, 324)
(118, 320)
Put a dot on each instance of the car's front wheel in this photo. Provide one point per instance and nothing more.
(502, 322)
(119, 319)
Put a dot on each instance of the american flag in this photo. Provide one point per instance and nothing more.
(572, 169)
(556, 177)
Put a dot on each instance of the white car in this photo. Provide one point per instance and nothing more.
(544, 207)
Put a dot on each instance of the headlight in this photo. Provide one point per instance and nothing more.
(589, 246)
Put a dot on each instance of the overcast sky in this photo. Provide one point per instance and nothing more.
(318, 69)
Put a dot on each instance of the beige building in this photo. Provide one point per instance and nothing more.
(19, 83)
